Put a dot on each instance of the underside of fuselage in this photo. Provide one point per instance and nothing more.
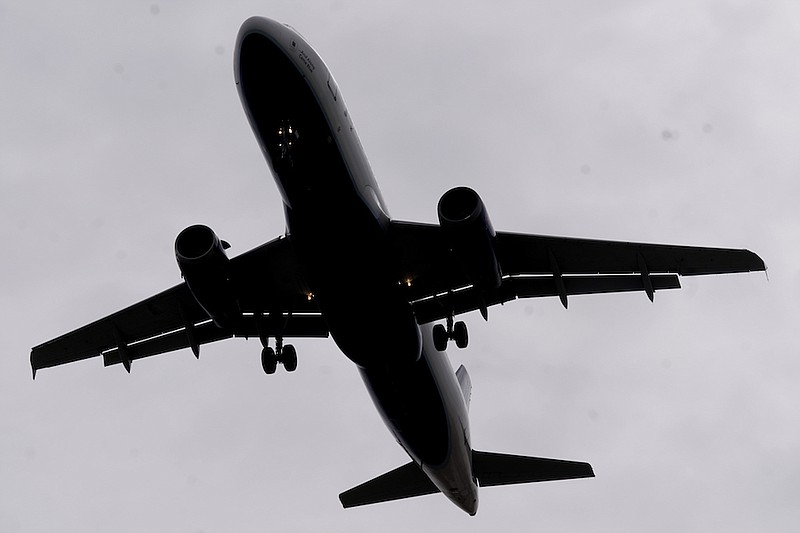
(290, 126)
(424, 408)
(341, 237)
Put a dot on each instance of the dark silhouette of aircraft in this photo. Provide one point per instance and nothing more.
(344, 268)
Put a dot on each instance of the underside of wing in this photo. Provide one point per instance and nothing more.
(534, 254)
(533, 266)
(264, 285)
(160, 314)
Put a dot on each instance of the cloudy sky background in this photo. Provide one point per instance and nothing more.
(654, 121)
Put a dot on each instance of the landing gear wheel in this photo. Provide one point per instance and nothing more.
(269, 362)
(439, 337)
(460, 334)
(289, 358)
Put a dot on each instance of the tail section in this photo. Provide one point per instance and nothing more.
(489, 469)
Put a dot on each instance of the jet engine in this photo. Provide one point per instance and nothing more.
(470, 236)
(204, 265)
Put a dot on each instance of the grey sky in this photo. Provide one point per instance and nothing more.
(653, 121)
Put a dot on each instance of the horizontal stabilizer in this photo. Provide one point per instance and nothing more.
(403, 482)
(502, 469)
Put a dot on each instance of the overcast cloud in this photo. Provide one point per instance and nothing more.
(653, 121)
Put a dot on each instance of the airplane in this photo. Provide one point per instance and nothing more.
(379, 286)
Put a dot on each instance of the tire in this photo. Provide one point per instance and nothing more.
(439, 337)
(460, 334)
(268, 360)
(289, 358)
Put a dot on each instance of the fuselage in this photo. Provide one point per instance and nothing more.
(338, 225)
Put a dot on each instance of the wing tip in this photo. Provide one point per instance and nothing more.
(756, 263)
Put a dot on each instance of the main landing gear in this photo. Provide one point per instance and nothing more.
(286, 355)
(456, 332)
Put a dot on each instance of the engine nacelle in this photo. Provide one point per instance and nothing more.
(470, 235)
(204, 265)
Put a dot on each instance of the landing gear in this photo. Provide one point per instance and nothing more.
(285, 141)
(456, 332)
(285, 355)
(460, 335)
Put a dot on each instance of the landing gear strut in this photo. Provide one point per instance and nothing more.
(456, 332)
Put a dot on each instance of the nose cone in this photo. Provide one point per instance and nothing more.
(252, 32)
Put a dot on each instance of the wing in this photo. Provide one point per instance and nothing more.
(538, 265)
(268, 288)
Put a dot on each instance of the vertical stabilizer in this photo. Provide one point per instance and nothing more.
(465, 383)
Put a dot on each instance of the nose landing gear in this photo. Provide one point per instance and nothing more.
(285, 140)
(456, 332)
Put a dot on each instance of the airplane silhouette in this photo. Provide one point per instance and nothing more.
(344, 268)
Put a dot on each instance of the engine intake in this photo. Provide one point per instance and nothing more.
(204, 265)
(470, 235)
